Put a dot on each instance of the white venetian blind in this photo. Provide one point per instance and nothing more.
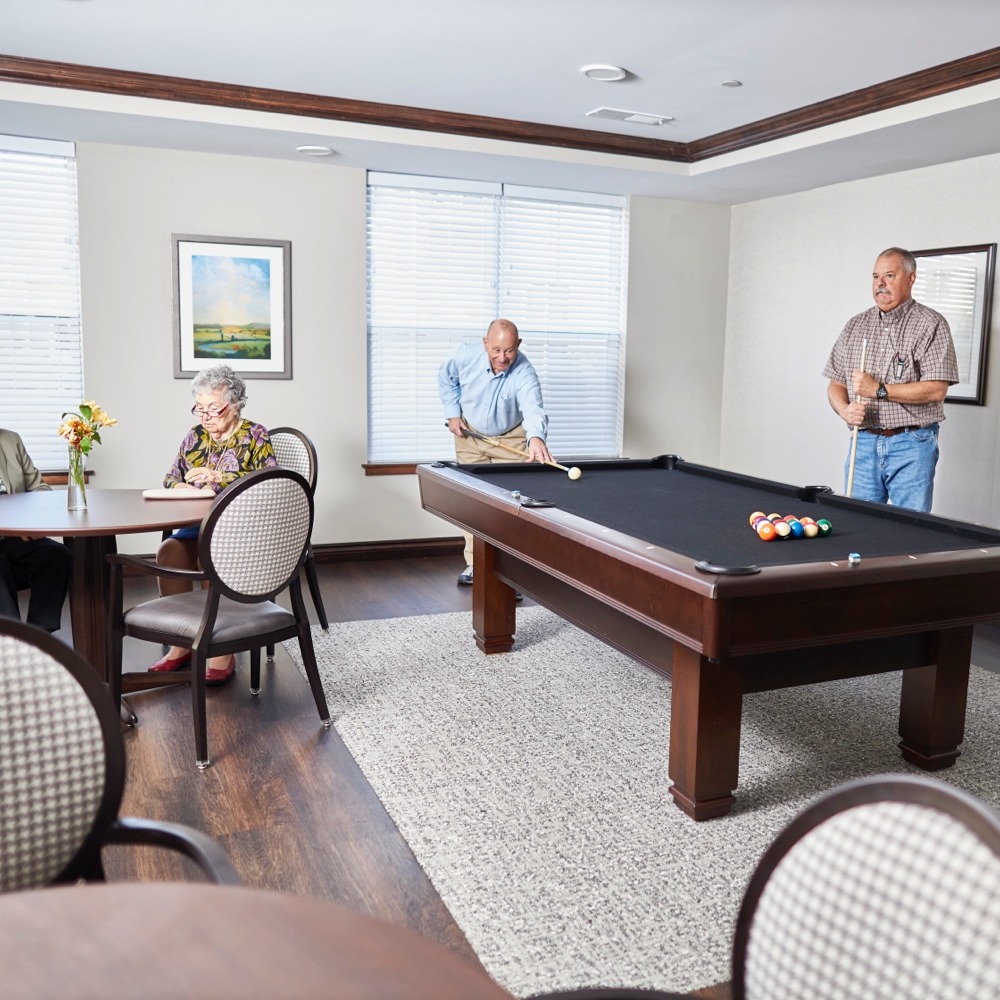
(41, 356)
(445, 258)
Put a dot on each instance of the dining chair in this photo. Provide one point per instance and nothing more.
(885, 887)
(62, 772)
(294, 450)
(251, 547)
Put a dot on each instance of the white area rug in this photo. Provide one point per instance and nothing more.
(532, 788)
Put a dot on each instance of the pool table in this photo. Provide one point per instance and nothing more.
(658, 559)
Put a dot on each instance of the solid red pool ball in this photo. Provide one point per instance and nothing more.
(766, 531)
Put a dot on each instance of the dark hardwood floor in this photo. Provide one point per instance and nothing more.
(283, 796)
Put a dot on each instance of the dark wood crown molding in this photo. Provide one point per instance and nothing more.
(946, 78)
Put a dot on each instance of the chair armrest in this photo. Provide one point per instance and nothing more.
(209, 856)
(151, 568)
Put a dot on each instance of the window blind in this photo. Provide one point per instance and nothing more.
(445, 258)
(41, 351)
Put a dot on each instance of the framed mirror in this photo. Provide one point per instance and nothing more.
(958, 283)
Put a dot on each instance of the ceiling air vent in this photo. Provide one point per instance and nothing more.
(638, 117)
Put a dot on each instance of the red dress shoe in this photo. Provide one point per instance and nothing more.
(163, 664)
(214, 677)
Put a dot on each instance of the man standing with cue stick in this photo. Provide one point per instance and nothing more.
(496, 394)
(889, 373)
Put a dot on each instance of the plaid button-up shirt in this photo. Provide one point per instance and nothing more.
(912, 343)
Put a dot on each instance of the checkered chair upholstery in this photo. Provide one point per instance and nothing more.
(251, 548)
(293, 450)
(62, 771)
(885, 888)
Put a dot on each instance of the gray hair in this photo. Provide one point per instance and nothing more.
(221, 377)
(909, 261)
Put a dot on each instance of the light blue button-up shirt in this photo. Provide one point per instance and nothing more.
(492, 404)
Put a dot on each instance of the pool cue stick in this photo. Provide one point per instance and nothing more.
(517, 451)
(854, 437)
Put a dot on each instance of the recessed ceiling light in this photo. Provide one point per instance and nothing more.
(604, 71)
(731, 83)
(314, 150)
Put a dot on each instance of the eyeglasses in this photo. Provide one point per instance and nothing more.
(208, 413)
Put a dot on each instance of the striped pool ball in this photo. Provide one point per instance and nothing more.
(774, 517)
(756, 516)
(766, 531)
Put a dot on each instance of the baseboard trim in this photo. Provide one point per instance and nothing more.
(405, 548)
(412, 548)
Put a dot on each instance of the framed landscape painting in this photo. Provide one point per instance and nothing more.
(232, 304)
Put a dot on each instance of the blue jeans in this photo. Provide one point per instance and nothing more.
(897, 470)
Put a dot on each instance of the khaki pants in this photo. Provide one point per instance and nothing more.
(469, 451)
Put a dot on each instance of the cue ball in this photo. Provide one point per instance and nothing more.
(781, 529)
(810, 529)
(574, 473)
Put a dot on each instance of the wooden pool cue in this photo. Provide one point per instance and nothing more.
(517, 451)
(854, 437)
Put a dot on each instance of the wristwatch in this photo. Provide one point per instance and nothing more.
(881, 392)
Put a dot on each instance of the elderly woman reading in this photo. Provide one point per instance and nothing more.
(213, 454)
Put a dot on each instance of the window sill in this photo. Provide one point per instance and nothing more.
(61, 478)
(390, 468)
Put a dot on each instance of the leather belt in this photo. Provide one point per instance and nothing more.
(888, 432)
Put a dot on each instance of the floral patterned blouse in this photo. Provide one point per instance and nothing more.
(246, 449)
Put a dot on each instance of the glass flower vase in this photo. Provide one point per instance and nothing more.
(76, 483)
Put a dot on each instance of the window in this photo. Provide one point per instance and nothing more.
(41, 354)
(445, 258)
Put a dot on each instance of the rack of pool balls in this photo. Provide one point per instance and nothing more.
(772, 526)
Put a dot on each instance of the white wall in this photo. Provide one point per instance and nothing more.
(678, 270)
(131, 201)
(800, 267)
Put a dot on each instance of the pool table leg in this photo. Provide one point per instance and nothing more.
(706, 704)
(493, 609)
(932, 703)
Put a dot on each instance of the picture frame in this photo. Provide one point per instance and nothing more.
(232, 304)
(958, 283)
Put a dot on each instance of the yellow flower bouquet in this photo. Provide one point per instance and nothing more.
(82, 431)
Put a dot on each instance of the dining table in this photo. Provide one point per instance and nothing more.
(91, 535)
(193, 939)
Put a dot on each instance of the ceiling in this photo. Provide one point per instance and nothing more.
(510, 70)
